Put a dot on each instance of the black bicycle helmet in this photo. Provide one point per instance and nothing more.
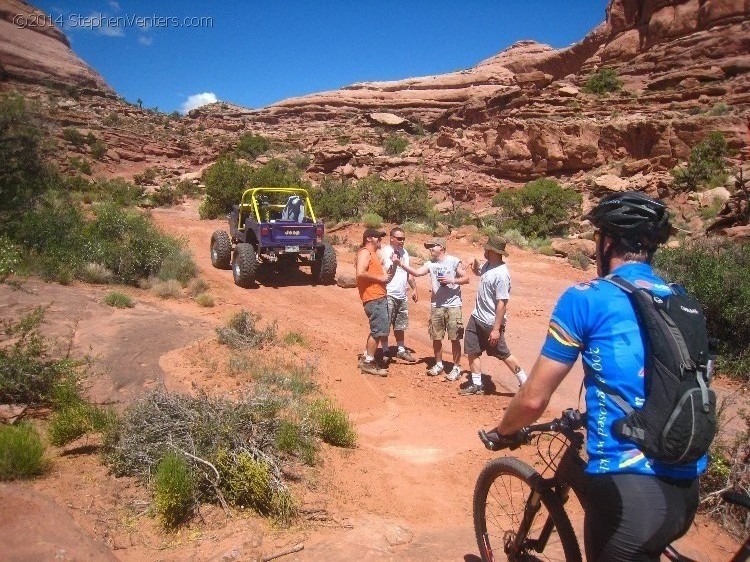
(633, 217)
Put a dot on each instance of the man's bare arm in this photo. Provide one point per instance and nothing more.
(532, 398)
(363, 261)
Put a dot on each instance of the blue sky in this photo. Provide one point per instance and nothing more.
(256, 53)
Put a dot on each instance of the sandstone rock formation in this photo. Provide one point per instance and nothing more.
(517, 116)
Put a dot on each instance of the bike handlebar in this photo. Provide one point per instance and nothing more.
(569, 420)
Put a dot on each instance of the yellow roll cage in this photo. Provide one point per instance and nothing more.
(249, 203)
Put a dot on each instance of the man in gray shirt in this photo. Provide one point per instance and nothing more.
(485, 331)
(447, 274)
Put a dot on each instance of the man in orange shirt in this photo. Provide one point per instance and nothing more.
(371, 282)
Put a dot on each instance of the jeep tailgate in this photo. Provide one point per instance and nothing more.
(292, 234)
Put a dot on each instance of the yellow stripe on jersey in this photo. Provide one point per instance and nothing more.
(562, 336)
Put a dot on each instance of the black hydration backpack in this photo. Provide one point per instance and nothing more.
(678, 419)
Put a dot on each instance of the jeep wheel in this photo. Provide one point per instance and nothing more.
(324, 266)
(245, 265)
(221, 250)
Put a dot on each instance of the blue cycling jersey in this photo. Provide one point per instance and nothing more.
(597, 320)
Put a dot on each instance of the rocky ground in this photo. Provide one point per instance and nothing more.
(403, 494)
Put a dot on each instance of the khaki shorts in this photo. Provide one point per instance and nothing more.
(398, 313)
(446, 320)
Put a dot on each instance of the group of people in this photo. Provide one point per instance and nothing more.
(594, 320)
(384, 275)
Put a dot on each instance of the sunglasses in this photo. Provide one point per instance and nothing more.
(400, 238)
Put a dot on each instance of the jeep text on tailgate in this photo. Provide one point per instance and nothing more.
(273, 226)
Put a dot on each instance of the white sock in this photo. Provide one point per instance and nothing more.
(401, 346)
(439, 365)
(521, 376)
(369, 358)
(476, 378)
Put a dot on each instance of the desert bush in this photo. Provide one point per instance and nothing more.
(118, 300)
(28, 373)
(205, 300)
(372, 220)
(396, 202)
(333, 424)
(74, 137)
(174, 490)
(294, 439)
(238, 364)
(178, 265)
(299, 160)
(165, 196)
(242, 331)
(294, 338)
(21, 452)
(187, 188)
(146, 177)
(718, 109)
(336, 199)
(547, 250)
(197, 286)
(288, 377)
(540, 208)
(170, 289)
(227, 179)
(95, 273)
(115, 190)
(251, 146)
(112, 120)
(706, 166)
(80, 164)
(603, 81)
(416, 227)
(715, 272)
(98, 150)
(395, 144)
(579, 260)
(77, 419)
(10, 257)
(245, 481)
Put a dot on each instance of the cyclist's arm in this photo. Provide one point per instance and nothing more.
(532, 398)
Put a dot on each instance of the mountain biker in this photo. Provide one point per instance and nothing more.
(635, 506)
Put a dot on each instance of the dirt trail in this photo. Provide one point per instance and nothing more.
(405, 492)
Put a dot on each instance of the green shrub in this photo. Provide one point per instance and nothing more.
(112, 120)
(170, 289)
(80, 164)
(118, 300)
(227, 179)
(293, 440)
(95, 273)
(372, 220)
(146, 177)
(336, 199)
(187, 188)
(27, 373)
(165, 196)
(98, 150)
(294, 338)
(718, 109)
(603, 81)
(115, 190)
(395, 144)
(242, 331)
(396, 202)
(251, 146)
(706, 165)
(715, 272)
(205, 300)
(174, 490)
(333, 424)
(284, 376)
(541, 208)
(245, 481)
(73, 421)
(21, 452)
(74, 137)
(10, 257)
(416, 227)
(178, 265)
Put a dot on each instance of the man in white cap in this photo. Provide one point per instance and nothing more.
(485, 331)
(447, 274)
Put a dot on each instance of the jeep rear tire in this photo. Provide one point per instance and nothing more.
(245, 265)
(221, 250)
(324, 266)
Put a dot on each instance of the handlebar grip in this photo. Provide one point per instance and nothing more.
(495, 442)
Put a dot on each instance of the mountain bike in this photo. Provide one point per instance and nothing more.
(519, 514)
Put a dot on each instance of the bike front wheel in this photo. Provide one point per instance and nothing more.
(517, 518)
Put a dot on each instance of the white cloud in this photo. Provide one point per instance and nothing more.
(197, 100)
(145, 40)
(115, 6)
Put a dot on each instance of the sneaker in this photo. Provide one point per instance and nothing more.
(454, 375)
(406, 356)
(435, 370)
(371, 368)
(471, 389)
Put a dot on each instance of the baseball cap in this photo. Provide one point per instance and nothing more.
(435, 242)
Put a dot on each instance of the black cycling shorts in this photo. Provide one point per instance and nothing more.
(634, 517)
